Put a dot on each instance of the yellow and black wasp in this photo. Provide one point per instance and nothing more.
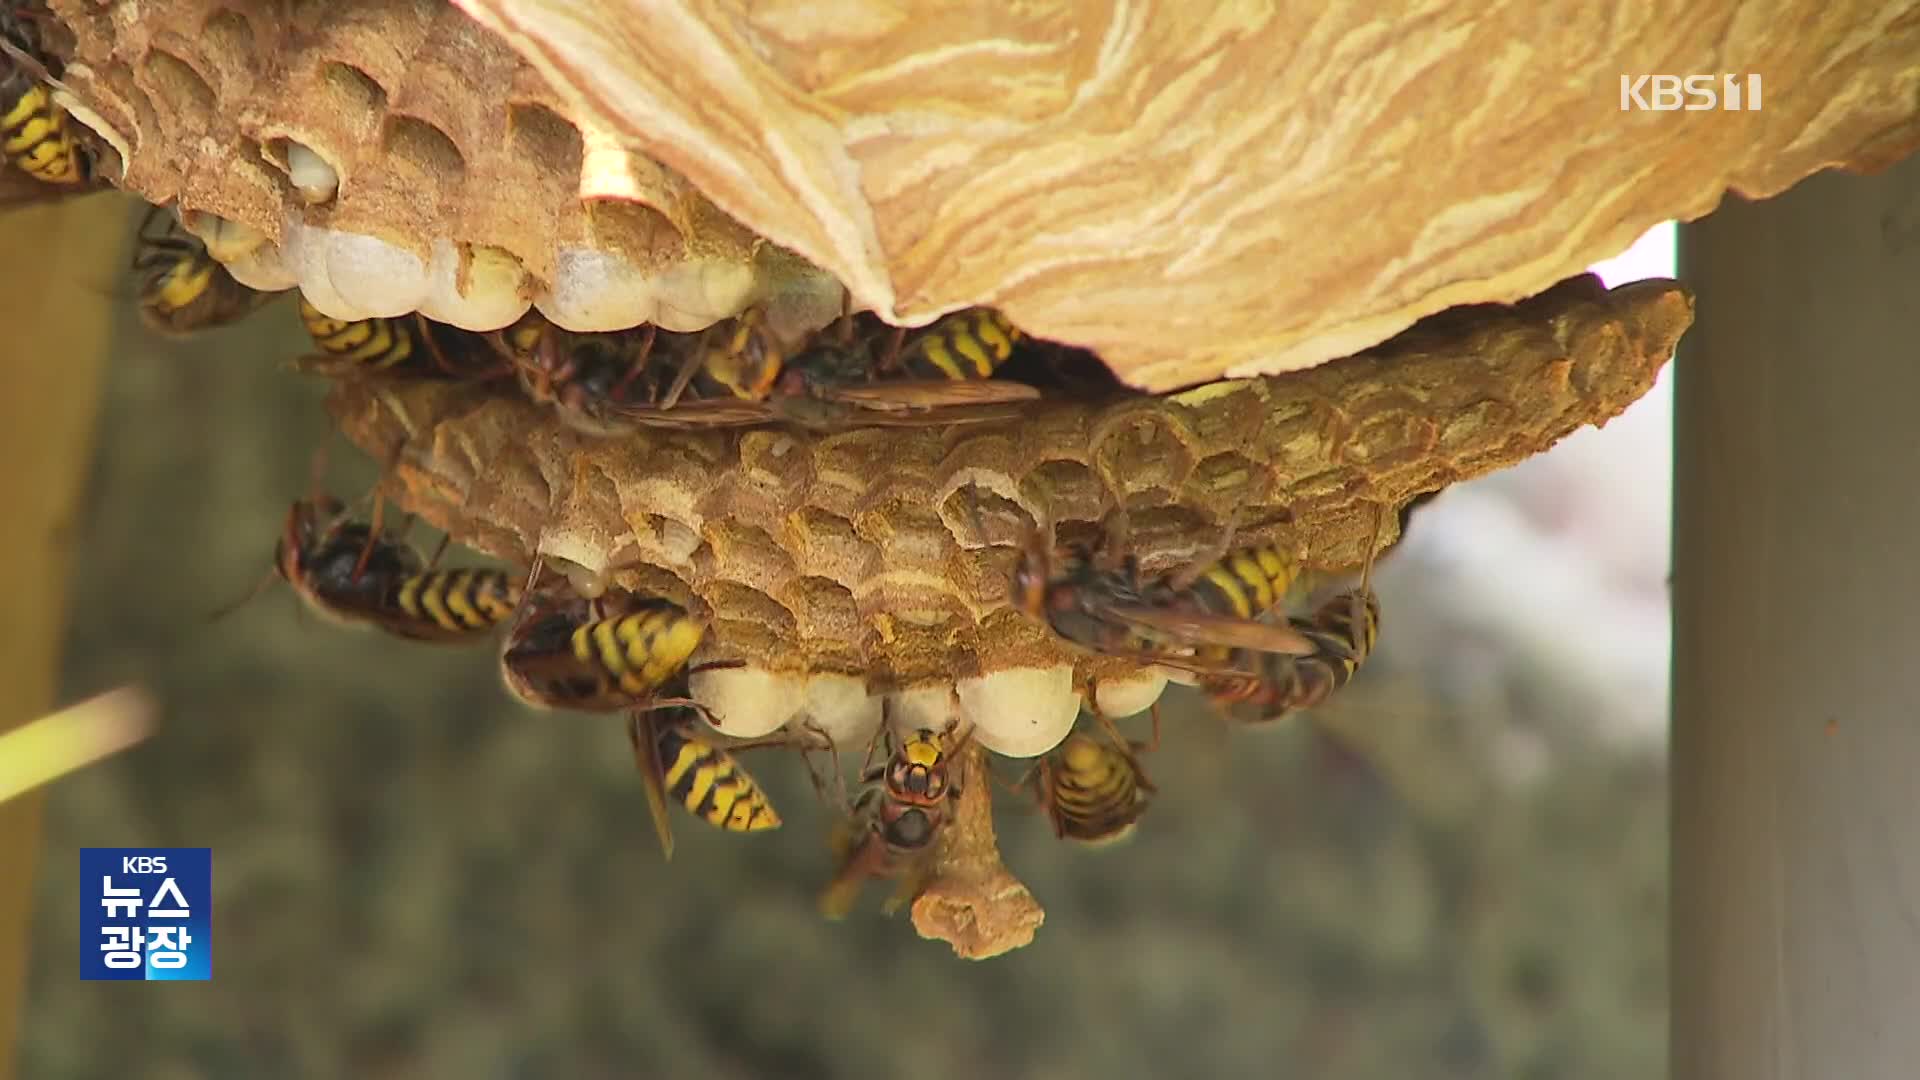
(183, 288)
(890, 830)
(963, 346)
(1093, 788)
(1343, 631)
(406, 346)
(37, 136)
(677, 761)
(842, 380)
(1197, 618)
(352, 572)
(618, 651)
(588, 377)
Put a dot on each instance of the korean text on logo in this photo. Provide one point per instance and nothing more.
(146, 913)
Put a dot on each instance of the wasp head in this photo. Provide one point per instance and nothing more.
(918, 773)
(306, 524)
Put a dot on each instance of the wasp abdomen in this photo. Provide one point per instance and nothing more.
(642, 649)
(1094, 790)
(964, 345)
(375, 343)
(459, 600)
(1246, 584)
(712, 784)
(35, 138)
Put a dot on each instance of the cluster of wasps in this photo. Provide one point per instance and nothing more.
(621, 652)
(627, 653)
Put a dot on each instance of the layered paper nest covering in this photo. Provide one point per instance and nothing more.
(392, 156)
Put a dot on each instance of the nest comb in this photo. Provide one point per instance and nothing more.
(340, 146)
(862, 553)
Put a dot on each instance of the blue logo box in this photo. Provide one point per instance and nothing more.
(146, 913)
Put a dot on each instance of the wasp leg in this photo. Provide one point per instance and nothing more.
(696, 359)
(635, 365)
(890, 355)
(1208, 557)
(373, 538)
(438, 549)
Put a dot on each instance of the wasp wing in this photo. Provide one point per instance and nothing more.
(646, 755)
(692, 415)
(917, 395)
(1201, 628)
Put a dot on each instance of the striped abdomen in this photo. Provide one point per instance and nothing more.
(641, 650)
(711, 783)
(967, 344)
(181, 280)
(1093, 790)
(1344, 629)
(459, 601)
(1246, 584)
(369, 344)
(34, 135)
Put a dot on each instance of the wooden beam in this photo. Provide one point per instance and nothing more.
(61, 262)
(1796, 679)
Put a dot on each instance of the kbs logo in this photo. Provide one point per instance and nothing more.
(1693, 93)
(146, 913)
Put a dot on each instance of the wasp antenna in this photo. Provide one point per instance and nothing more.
(258, 586)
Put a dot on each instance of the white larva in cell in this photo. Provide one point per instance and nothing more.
(316, 181)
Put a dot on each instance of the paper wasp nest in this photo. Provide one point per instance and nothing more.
(861, 552)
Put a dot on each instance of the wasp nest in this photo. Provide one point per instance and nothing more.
(930, 164)
(861, 552)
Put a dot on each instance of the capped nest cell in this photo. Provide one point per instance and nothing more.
(1177, 194)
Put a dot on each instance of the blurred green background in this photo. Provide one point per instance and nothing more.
(415, 877)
